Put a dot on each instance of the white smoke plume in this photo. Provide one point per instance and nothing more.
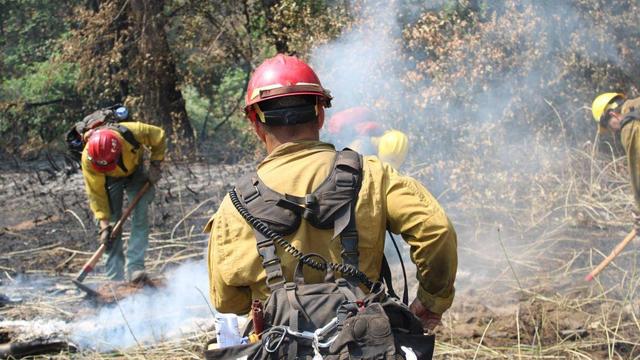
(181, 308)
(489, 133)
(348, 65)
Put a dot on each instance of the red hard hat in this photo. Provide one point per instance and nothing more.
(369, 128)
(284, 75)
(103, 150)
(360, 119)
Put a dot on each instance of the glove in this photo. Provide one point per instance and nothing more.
(154, 174)
(429, 319)
(105, 236)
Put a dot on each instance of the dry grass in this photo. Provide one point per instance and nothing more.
(536, 303)
(520, 285)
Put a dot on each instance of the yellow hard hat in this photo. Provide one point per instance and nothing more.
(602, 103)
(393, 147)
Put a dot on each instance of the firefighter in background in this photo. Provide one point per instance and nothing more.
(112, 163)
(613, 112)
(285, 104)
(359, 128)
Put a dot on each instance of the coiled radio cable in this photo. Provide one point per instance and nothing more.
(344, 269)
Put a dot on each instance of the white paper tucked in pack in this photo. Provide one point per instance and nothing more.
(227, 331)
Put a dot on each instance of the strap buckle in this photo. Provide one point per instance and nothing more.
(347, 254)
(290, 286)
(270, 262)
(252, 196)
(349, 234)
(268, 254)
(275, 280)
(345, 180)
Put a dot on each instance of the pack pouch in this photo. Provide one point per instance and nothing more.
(347, 324)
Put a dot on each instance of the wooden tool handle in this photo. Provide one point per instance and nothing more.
(117, 229)
(88, 267)
(616, 251)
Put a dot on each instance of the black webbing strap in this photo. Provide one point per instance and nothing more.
(405, 293)
(126, 134)
(629, 117)
(266, 247)
(295, 304)
(345, 180)
(270, 261)
(343, 286)
(121, 164)
(385, 275)
(294, 318)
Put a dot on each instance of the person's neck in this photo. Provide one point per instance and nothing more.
(272, 142)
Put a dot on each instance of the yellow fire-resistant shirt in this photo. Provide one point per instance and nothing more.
(148, 136)
(236, 274)
(630, 137)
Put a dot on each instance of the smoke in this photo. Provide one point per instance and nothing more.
(154, 315)
(177, 310)
(490, 102)
(356, 68)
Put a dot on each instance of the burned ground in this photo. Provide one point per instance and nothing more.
(520, 289)
(45, 212)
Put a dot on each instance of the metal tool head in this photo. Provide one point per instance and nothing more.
(89, 291)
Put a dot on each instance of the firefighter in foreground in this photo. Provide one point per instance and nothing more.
(285, 104)
(613, 112)
(359, 127)
(112, 162)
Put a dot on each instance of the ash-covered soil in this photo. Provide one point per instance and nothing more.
(47, 233)
(46, 225)
(520, 290)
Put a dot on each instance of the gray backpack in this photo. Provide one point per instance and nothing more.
(334, 319)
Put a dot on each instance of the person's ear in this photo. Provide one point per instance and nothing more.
(617, 115)
(320, 116)
(258, 128)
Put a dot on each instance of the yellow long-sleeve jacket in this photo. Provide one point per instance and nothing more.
(236, 275)
(630, 137)
(95, 182)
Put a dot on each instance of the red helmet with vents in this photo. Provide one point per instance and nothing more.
(104, 149)
(281, 76)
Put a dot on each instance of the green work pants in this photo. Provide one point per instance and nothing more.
(139, 239)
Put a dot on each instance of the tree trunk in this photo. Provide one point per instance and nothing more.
(160, 101)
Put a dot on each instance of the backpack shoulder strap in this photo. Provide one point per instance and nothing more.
(632, 115)
(348, 175)
(248, 188)
(126, 134)
(282, 213)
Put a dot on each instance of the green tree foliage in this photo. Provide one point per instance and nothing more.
(503, 62)
(30, 31)
(219, 43)
(37, 87)
(62, 59)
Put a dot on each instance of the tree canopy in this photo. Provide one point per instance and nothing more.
(184, 64)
